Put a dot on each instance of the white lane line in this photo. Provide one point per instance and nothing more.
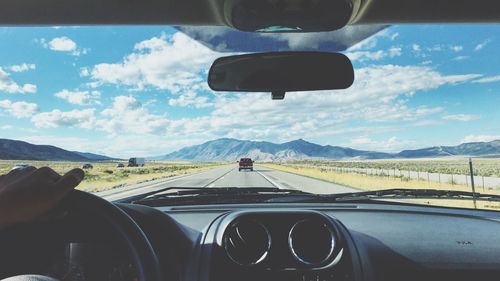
(145, 185)
(212, 183)
(126, 193)
(270, 180)
(118, 194)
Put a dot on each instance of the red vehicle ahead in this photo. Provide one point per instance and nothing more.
(245, 164)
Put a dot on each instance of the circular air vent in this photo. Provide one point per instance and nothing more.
(312, 242)
(247, 242)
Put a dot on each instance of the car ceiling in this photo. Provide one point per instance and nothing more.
(210, 12)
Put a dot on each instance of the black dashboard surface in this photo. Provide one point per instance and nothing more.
(387, 242)
(370, 242)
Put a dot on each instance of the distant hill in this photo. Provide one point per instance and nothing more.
(232, 149)
(20, 150)
(227, 149)
(491, 148)
(93, 156)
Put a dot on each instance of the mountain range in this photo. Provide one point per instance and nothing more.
(227, 149)
(20, 150)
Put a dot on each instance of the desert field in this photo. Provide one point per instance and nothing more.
(106, 175)
(383, 174)
(488, 167)
(387, 180)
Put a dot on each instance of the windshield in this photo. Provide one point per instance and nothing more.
(131, 106)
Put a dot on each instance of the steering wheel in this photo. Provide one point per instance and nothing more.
(142, 254)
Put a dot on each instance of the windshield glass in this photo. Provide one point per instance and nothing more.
(131, 106)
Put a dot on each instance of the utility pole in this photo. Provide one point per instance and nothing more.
(472, 182)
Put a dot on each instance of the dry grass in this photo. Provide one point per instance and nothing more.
(488, 167)
(105, 175)
(368, 182)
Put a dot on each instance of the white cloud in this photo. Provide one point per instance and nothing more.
(84, 72)
(8, 85)
(64, 44)
(461, 117)
(481, 45)
(80, 97)
(57, 118)
(424, 110)
(395, 52)
(127, 114)
(6, 127)
(22, 67)
(489, 79)
(174, 63)
(366, 55)
(374, 55)
(416, 48)
(179, 65)
(460, 58)
(480, 138)
(190, 99)
(374, 97)
(19, 109)
(392, 144)
(435, 48)
(443, 47)
(394, 36)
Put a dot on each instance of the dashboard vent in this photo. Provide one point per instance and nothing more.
(312, 242)
(247, 242)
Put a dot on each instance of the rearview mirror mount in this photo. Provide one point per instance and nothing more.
(288, 15)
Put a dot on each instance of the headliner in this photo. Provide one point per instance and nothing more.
(209, 12)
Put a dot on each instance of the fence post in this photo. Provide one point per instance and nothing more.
(452, 182)
(483, 183)
(472, 182)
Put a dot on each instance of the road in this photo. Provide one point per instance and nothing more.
(229, 176)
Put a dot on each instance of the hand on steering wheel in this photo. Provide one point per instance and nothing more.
(30, 192)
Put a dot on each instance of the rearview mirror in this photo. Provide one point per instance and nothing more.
(281, 72)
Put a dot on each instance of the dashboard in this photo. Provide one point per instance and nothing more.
(262, 242)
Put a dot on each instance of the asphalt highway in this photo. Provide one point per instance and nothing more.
(229, 176)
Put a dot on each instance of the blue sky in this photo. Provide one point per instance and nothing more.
(141, 91)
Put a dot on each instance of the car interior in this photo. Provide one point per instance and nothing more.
(140, 238)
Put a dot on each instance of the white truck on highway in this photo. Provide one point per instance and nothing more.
(136, 162)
